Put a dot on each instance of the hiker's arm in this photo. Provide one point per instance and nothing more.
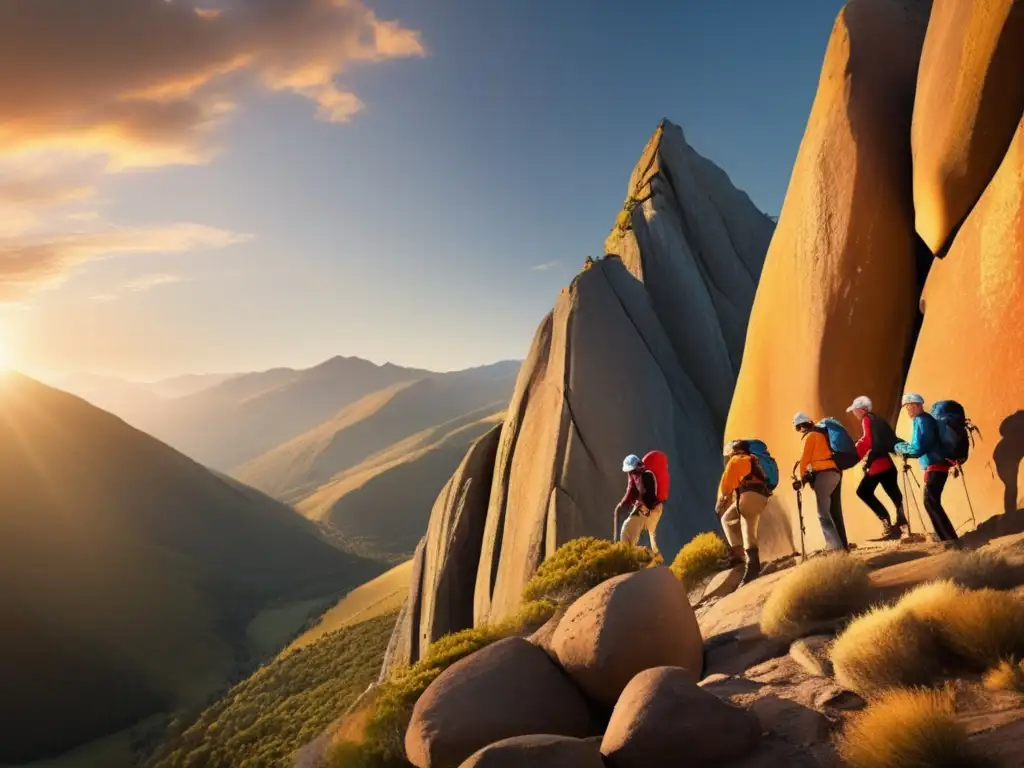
(913, 448)
(631, 495)
(730, 478)
(864, 444)
(806, 456)
(650, 483)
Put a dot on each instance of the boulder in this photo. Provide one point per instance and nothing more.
(627, 624)
(664, 719)
(510, 688)
(538, 752)
(969, 348)
(970, 95)
(835, 308)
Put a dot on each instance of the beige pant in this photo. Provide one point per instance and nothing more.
(637, 522)
(740, 521)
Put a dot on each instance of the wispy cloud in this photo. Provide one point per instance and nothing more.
(148, 282)
(547, 266)
(102, 298)
(29, 264)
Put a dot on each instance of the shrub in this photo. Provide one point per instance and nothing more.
(981, 627)
(908, 729)
(824, 589)
(580, 565)
(979, 570)
(699, 559)
(1006, 676)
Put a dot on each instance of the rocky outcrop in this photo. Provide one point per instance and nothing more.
(970, 344)
(510, 688)
(640, 352)
(624, 626)
(538, 752)
(835, 309)
(663, 720)
(970, 94)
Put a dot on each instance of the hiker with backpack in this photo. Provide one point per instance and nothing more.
(645, 496)
(818, 468)
(743, 493)
(926, 445)
(876, 442)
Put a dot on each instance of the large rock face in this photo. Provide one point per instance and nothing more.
(835, 309)
(970, 93)
(971, 346)
(640, 352)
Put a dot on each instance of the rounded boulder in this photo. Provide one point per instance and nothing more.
(510, 688)
(623, 626)
(538, 751)
(664, 719)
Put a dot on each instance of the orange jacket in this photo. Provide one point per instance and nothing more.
(817, 453)
(736, 471)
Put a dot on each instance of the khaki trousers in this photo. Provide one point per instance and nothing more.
(637, 523)
(740, 521)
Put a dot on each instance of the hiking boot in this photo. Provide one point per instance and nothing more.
(901, 518)
(735, 556)
(753, 567)
(890, 531)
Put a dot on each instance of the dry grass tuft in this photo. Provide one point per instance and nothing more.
(884, 649)
(1006, 676)
(824, 589)
(579, 565)
(980, 570)
(909, 729)
(699, 559)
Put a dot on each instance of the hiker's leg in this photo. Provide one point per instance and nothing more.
(652, 525)
(752, 506)
(836, 507)
(824, 484)
(632, 528)
(890, 480)
(866, 493)
(934, 483)
(731, 527)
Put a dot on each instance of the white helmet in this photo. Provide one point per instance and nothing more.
(913, 397)
(801, 418)
(630, 463)
(863, 403)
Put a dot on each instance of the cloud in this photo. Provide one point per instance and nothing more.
(142, 82)
(148, 282)
(545, 267)
(102, 298)
(29, 264)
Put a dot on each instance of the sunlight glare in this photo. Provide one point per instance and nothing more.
(6, 351)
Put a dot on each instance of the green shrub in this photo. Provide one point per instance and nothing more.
(580, 565)
(820, 590)
(699, 559)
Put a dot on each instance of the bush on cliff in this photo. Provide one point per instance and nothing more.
(579, 565)
(699, 559)
(821, 590)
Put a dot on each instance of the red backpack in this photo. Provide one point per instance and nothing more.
(657, 463)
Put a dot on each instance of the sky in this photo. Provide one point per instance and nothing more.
(232, 185)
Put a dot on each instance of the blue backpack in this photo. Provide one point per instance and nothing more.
(844, 451)
(769, 467)
(955, 430)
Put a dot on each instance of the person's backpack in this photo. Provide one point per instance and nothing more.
(765, 462)
(955, 430)
(844, 451)
(883, 438)
(656, 463)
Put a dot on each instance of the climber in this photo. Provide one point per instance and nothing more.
(818, 469)
(876, 442)
(924, 445)
(742, 496)
(642, 500)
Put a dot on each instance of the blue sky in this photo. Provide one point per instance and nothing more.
(412, 232)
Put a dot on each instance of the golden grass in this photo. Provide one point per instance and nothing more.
(909, 729)
(580, 565)
(823, 589)
(980, 570)
(1006, 676)
(934, 629)
(699, 559)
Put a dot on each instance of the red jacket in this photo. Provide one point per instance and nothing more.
(882, 463)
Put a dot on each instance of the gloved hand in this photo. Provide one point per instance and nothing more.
(797, 485)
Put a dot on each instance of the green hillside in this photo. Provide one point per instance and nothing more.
(285, 704)
(129, 574)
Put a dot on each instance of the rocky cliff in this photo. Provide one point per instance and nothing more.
(915, 110)
(641, 351)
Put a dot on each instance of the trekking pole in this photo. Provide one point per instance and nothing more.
(800, 512)
(908, 470)
(959, 470)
